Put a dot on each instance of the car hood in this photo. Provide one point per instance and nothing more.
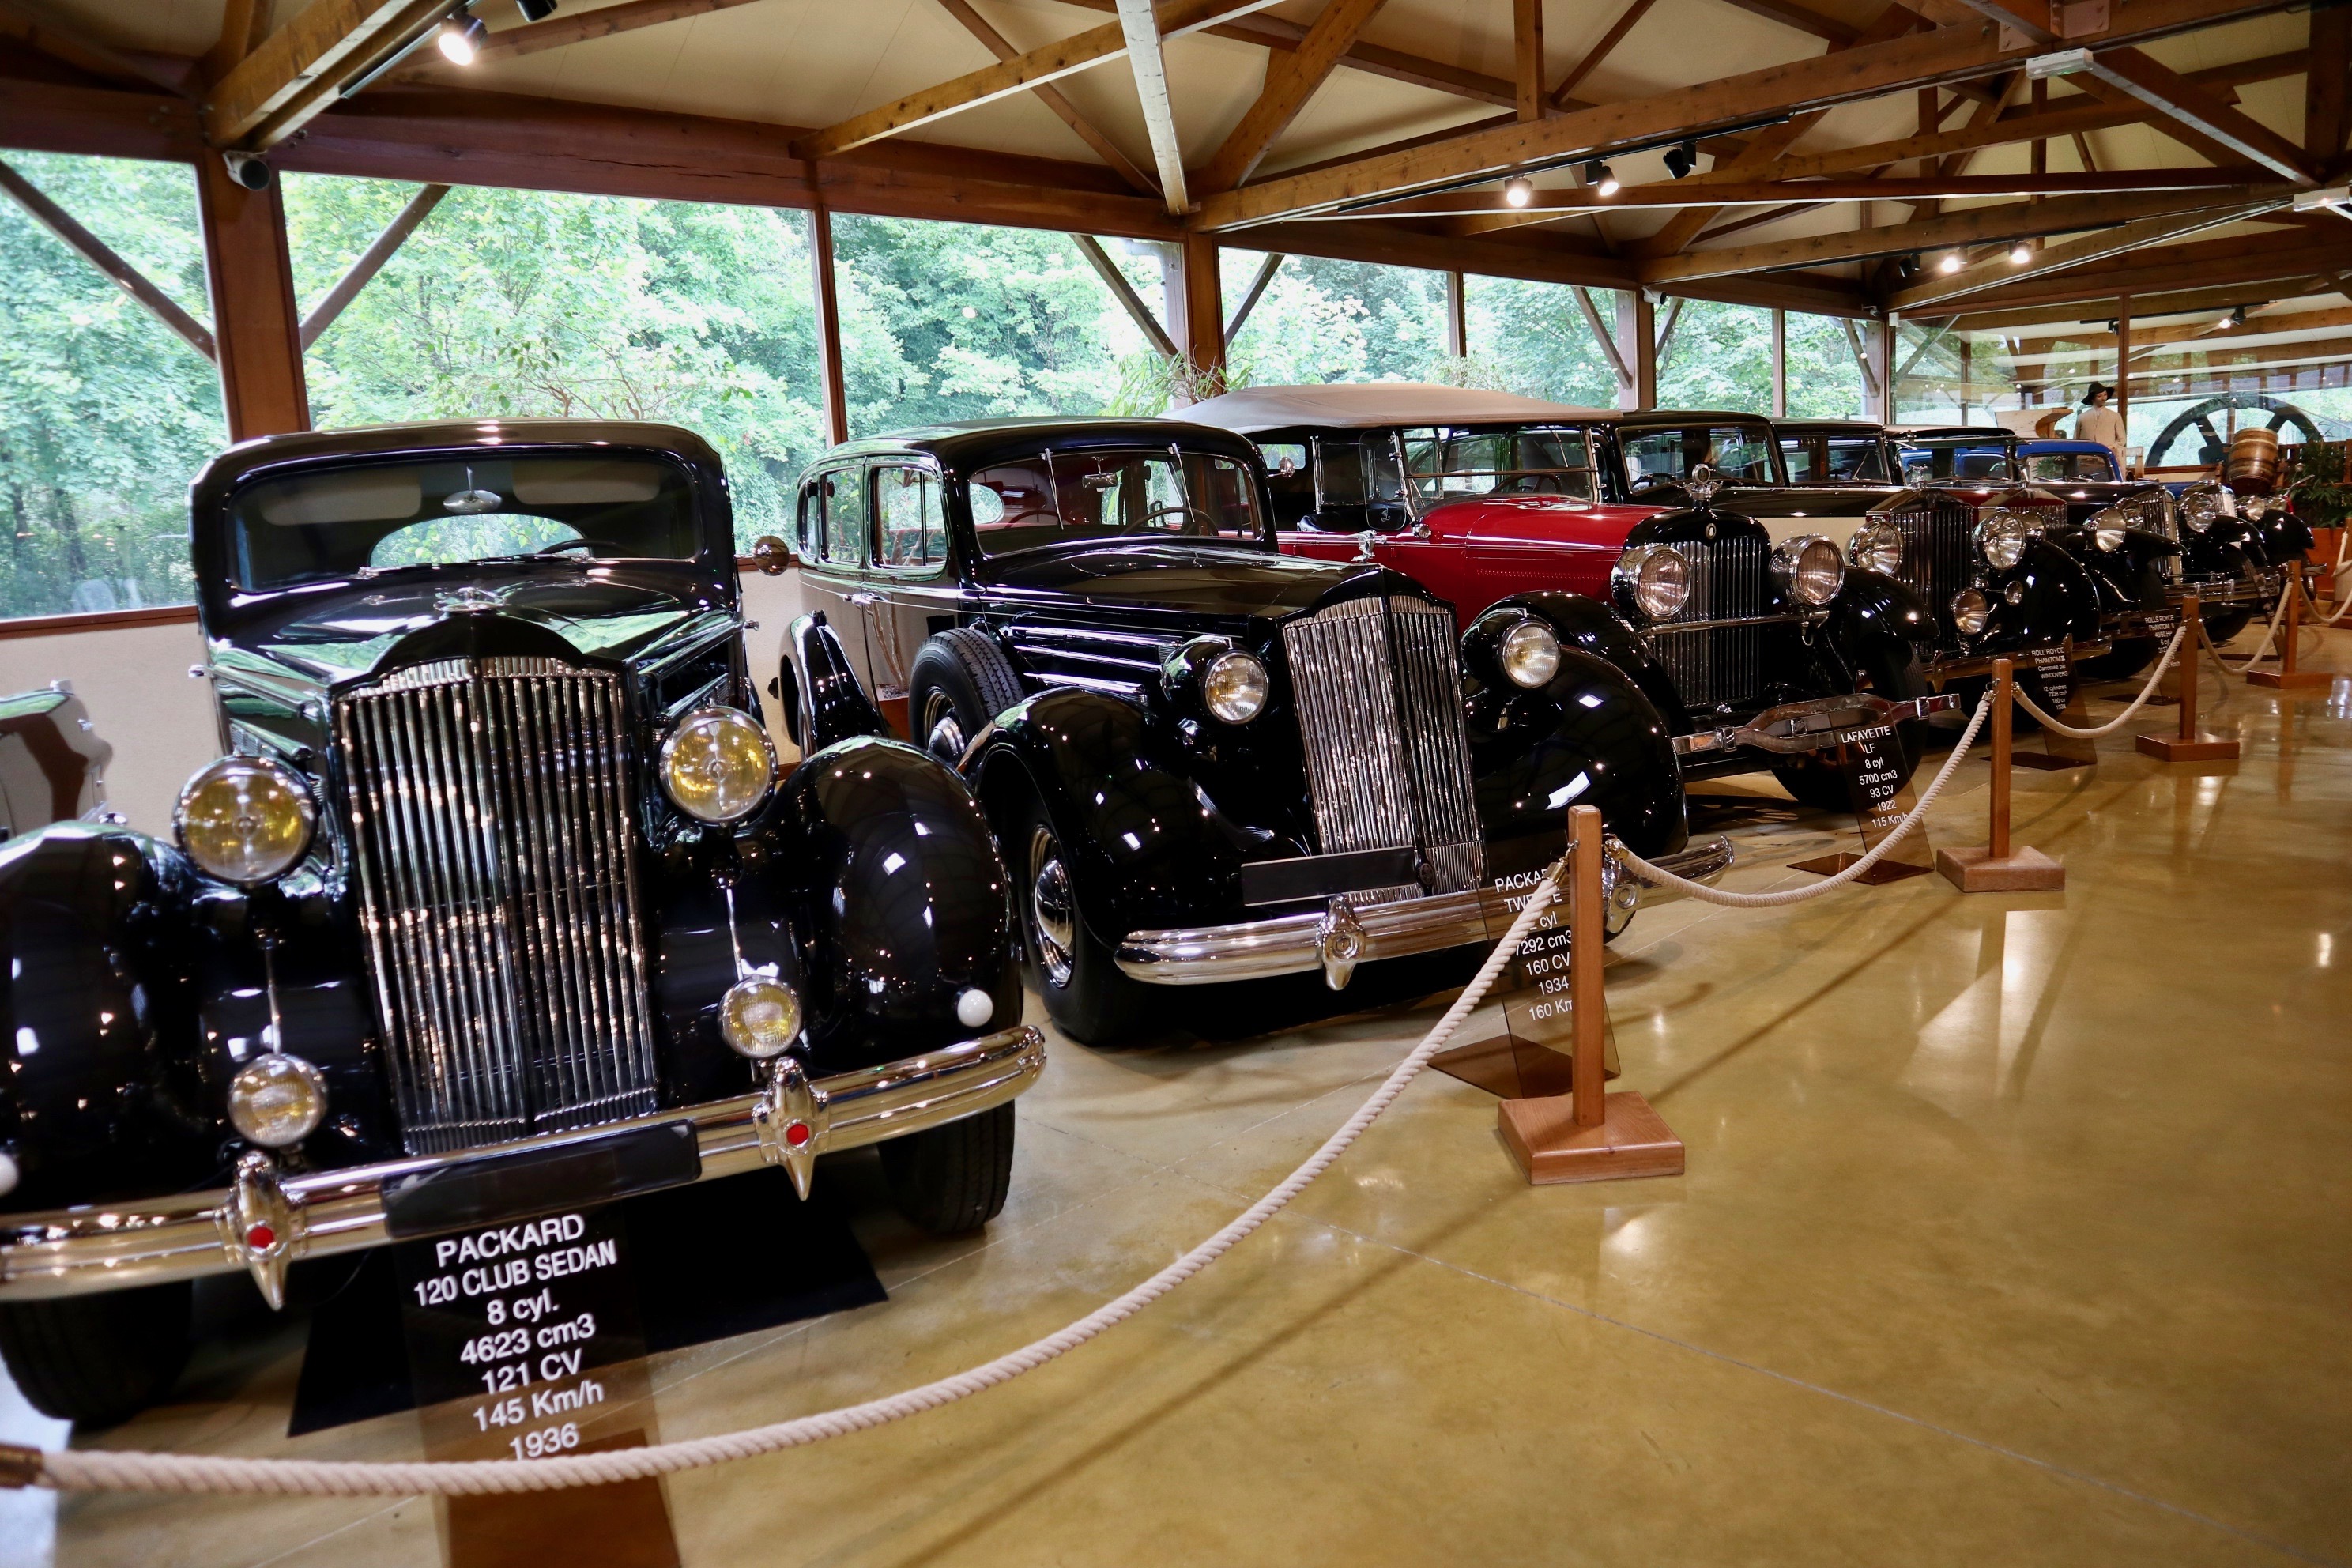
(1191, 580)
(605, 615)
(1537, 518)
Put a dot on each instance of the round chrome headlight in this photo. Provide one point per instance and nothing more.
(2107, 527)
(1655, 577)
(2200, 510)
(760, 1017)
(245, 820)
(1234, 686)
(1530, 653)
(1877, 545)
(718, 766)
(1972, 611)
(2002, 538)
(1809, 569)
(277, 1100)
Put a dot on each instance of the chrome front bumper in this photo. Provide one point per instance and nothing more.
(267, 1220)
(1335, 941)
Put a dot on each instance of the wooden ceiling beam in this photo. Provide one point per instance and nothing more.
(1527, 59)
(1626, 21)
(2119, 241)
(1973, 225)
(2143, 336)
(1140, 25)
(1062, 57)
(559, 31)
(2144, 306)
(2176, 99)
(1290, 80)
(301, 67)
(81, 48)
(2325, 86)
(1046, 93)
(1797, 88)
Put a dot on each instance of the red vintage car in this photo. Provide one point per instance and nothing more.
(1759, 652)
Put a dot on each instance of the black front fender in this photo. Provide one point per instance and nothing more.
(1591, 737)
(832, 705)
(2055, 600)
(1597, 630)
(1874, 614)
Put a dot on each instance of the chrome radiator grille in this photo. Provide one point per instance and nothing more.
(490, 835)
(1379, 689)
(1939, 549)
(1714, 647)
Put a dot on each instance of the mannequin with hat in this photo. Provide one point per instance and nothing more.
(2100, 423)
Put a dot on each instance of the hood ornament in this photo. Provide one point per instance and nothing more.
(1364, 541)
(465, 601)
(1701, 485)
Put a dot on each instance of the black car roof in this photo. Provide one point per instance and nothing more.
(1956, 433)
(231, 468)
(964, 445)
(1831, 426)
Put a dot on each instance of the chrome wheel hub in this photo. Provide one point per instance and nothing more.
(1053, 912)
(942, 736)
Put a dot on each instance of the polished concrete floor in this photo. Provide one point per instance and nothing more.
(2018, 1229)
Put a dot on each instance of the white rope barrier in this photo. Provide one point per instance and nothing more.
(101, 1469)
(1659, 876)
(2262, 648)
(2171, 650)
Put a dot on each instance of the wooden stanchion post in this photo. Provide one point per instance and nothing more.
(2286, 678)
(1997, 867)
(1588, 1134)
(2191, 744)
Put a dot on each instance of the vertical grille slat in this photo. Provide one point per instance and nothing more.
(489, 812)
(1379, 692)
(1712, 664)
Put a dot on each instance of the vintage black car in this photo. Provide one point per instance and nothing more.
(52, 763)
(495, 904)
(1206, 761)
(2234, 551)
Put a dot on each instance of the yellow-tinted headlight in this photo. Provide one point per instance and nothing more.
(718, 766)
(245, 820)
(760, 1017)
(277, 1100)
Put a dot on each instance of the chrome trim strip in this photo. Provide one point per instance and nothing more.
(1294, 944)
(73, 1251)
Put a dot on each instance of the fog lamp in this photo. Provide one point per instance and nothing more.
(718, 764)
(245, 820)
(1809, 569)
(1877, 545)
(277, 1100)
(1234, 686)
(1530, 653)
(760, 1017)
(1972, 611)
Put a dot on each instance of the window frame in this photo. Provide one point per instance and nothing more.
(931, 469)
(864, 534)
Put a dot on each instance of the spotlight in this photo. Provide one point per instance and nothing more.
(535, 10)
(1682, 160)
(2237, 317)
(461, 38)
(1951, 262)
(1520, 191)
(2020, 254)
(1599, 179)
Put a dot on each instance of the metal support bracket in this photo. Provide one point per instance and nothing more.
(1813, 725)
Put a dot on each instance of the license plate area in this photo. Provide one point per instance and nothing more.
(521, 1182)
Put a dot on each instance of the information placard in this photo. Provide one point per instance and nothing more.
(1532, 1057)
(1879, 785)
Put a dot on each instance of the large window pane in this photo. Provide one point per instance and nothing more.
(1533, 339)
(105, 413)
(519, 303)
(1719, 357)
(1824, 377)
(1323, 321)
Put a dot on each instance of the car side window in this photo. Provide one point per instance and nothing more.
(812, 520)
(1290, 477)
(844, 516)
(909, 531)
(1799, 455)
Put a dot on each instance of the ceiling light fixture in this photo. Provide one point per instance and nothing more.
(535, 10)
(1682, 159)
(1518, 192)
(1951, 262)
(461, 38)
(2020, 253)
(1599, 179)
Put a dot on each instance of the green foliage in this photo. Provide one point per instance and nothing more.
(105, 414)
(1719, 357)
(2323, 493)
(1335, 321)
(1536, 342)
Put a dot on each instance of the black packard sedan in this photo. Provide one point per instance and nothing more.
(495, 904)
(1205, 761)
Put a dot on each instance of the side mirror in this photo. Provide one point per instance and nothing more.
(771, 555)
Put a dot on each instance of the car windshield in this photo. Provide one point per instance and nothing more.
(383, 517)
(1452, 463)
(1655, 457)
(1957, 458)
(1053, 497)
(1834, 459)
(2094, 466)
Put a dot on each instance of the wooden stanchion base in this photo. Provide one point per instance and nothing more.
(2022, 871)
(2295, 680)
(1633, 1141)
(2204, 748)
(1884, 872)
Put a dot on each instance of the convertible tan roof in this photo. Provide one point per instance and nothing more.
(1362, 404)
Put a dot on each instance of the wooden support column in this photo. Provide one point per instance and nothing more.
(1457, 316)
(1881, 351)
(828, 327)
(2123, 369)
(1203, 314)
(1780, 363)
(1637, 338)
(256, 331)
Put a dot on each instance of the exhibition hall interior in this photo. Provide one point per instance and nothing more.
(1103, 782)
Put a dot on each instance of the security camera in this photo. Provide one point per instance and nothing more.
(248, 169)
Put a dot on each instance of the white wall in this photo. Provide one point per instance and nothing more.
(134, 681)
